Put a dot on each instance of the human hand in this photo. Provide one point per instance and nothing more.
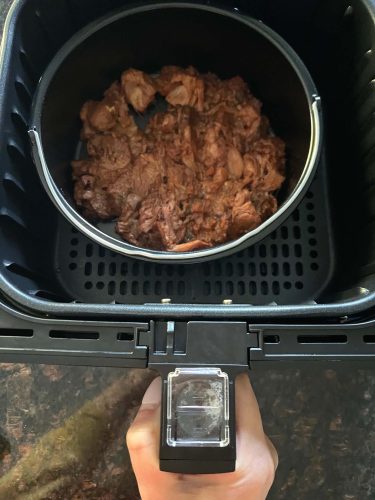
(256, 456)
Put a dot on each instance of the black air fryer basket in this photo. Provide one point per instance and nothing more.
(306, 292)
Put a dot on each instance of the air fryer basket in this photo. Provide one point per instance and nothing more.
(309, 268)
(211, 39)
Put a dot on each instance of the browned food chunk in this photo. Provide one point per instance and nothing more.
(203, 172)
(139, 89)
(182, 87)
(190, 246)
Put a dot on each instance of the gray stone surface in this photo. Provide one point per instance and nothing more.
(321, 421)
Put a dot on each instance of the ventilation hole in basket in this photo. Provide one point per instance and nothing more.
(284, 232)
(206, 288)
(311, 218)
(310, 206)
(274, 251)
(89, 250)
(251, 252)
(264, 288)
(169, 288)
(135, 288)
(112, 269)
(275, 269)
(101, 252)
(311, 230)
(313, 254)
(285, 251)
(181, 288)
(299, 285)
(312, 242)
(101, 269)
(158, 270)
(123, 287)
(263, 269)
(297, 250)
(286, 269)
(181, 271)
(88, 285)
(135, 268)
(74, 230)
(252, 287)
(170, 271)
(295, 216)
(287, 285)
(88, 269)
(111, 288)
(146, 288)
(229, 269)
(262, 251)
(275, 287)
(124, 269)
(27, 66)
(299, 269)
(240, 269)
(72, 266)
(100, 285)
(73, 254)
(297, 232)
(229, 288)
(217, 268)
(252, 269)
(273, 235)
(241, 288)
(314, 266)
(218, 288)
(309, 195)
(74, 241)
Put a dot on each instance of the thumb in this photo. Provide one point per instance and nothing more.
(142, 437)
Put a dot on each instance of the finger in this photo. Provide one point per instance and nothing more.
(254, 455)
(143, 435)
(275, 456)
(247, 409)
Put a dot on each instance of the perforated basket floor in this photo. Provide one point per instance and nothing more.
(291, 266)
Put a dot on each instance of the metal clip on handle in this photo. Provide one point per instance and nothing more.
(198, 421)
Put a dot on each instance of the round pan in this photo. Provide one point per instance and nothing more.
(149, 37)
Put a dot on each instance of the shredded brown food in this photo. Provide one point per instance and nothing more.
(201, 173)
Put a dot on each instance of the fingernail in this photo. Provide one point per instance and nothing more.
(153, 393)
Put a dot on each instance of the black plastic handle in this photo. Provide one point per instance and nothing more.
(198, 421)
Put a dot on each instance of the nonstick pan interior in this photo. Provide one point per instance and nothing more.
(180, 34)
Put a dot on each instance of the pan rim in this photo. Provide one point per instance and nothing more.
(218, 251)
